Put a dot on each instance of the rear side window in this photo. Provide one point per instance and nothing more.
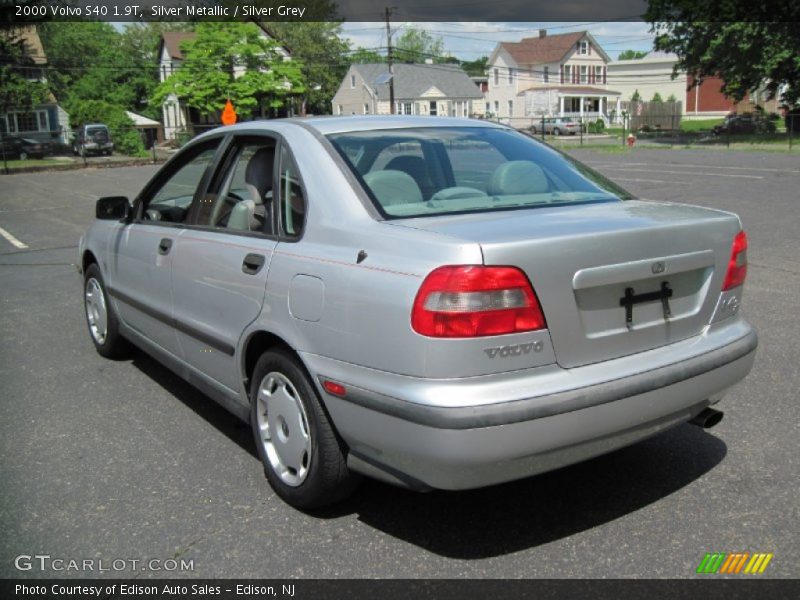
(291, 199)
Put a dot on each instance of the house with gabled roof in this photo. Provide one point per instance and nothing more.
(562, 75)
(419, 89)
(45, 122)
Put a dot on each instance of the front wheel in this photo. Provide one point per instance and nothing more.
(556, 131)
(303, 457)
(101, 318)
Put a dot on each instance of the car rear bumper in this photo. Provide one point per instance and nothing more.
(477, 431)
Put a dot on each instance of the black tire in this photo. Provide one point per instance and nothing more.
(327, 479)
(112, 344)
(23, 155)
(556, 131)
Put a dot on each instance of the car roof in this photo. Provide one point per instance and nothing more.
(343, 124)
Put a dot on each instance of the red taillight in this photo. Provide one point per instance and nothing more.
(737, 265)
(474, 300)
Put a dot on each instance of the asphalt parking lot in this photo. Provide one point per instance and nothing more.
(122, 460)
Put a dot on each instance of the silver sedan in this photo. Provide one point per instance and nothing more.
(432, 302)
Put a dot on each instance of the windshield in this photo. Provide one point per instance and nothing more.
(445, 170)
(96, 129)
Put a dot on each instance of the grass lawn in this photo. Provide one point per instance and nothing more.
(700, 124)
(33, 162)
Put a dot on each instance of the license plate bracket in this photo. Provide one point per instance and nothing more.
(631, 298)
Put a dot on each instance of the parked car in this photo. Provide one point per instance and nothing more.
(736, 124)
(12, 146)
(557, 126)
(92, 138)
(433, 302)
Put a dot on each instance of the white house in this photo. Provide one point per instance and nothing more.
(177, 117)
(649, 76)
(549, 75)
(419, 89)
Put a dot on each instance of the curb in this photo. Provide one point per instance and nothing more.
(74, 166)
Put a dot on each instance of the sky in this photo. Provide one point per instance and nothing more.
(471, 40)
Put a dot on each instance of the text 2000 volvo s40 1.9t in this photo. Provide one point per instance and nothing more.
(438, 303)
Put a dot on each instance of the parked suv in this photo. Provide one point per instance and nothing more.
(92, 138)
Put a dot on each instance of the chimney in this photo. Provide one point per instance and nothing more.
(542, 33)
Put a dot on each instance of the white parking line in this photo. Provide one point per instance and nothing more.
(652, 181)
(688, 166)
(12, 240)
(660, 171)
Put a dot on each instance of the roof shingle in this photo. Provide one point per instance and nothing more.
(540, 50)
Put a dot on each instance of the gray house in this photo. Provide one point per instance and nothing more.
(443, 90)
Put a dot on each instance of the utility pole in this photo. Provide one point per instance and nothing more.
(388, 13)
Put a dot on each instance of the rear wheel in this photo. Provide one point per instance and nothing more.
(303, 458)
(101, 318)
(556, 131)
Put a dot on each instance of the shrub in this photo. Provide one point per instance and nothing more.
(600, 125)
(592, 127)
(656, 98)
(125, 136)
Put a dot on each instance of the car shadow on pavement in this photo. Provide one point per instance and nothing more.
(506, 518)
(516, 516)
(232, 427)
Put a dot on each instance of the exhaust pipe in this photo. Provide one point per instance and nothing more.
(707, 418)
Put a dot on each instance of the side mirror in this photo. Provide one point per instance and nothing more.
(113, 208)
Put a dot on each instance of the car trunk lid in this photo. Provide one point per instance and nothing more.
(613, 278)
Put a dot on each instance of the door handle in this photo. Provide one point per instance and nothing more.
(252, 263)
(164, 246)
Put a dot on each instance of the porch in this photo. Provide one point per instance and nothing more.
(577, 102)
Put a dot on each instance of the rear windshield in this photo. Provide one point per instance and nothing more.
(445, 170)
(97, 129)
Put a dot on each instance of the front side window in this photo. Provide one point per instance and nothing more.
(171, 201)
(291, 197)
(443, 170)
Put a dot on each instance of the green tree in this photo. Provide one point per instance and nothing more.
(21, 80)
(475, 68)
(93, 61)
(636, 97)
(746, 44)
(232, 61)
(126, 138)
(363, 56)
(319, 47)
(415, 45)
(632, 54)
(657, 98)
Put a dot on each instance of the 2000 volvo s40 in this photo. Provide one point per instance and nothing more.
(437, 303)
